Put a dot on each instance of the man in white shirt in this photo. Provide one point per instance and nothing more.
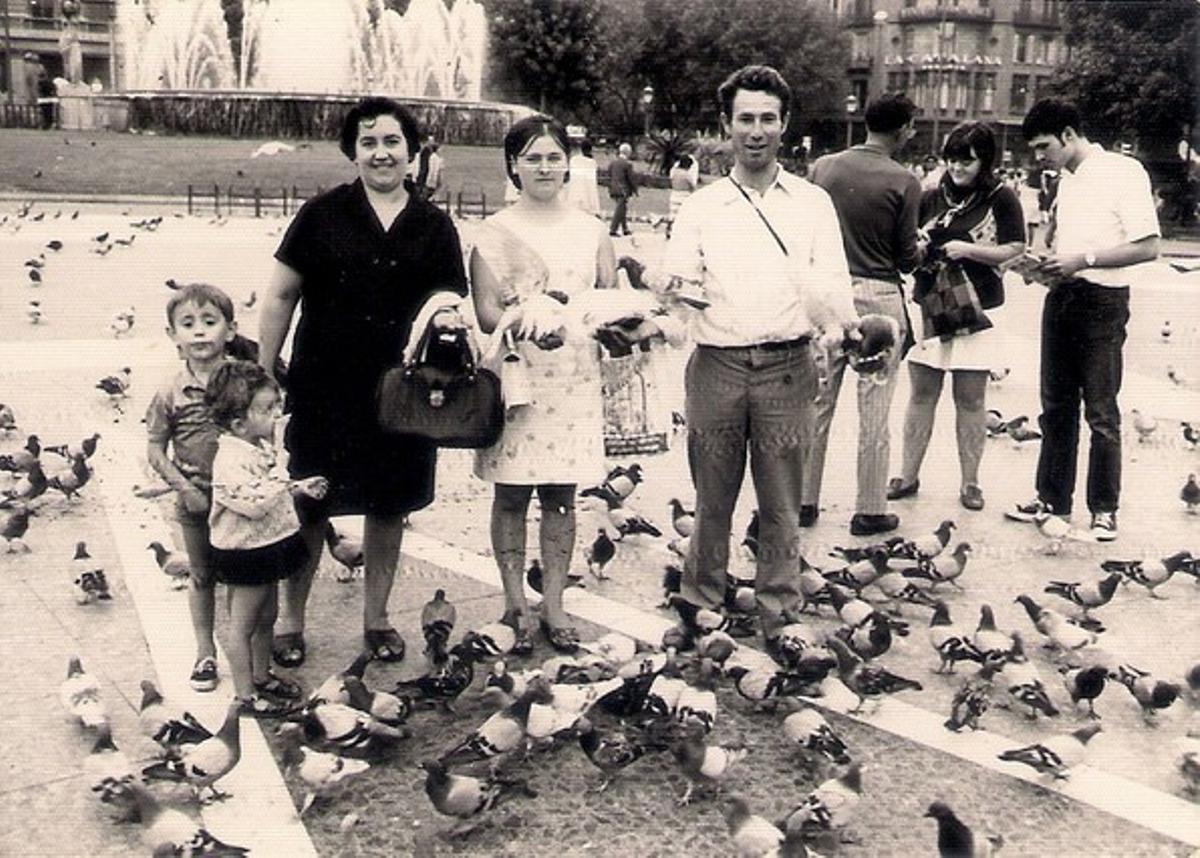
(1105, 224)
(764, 249)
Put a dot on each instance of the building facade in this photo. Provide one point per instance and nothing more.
(957, 59)
(32, 28)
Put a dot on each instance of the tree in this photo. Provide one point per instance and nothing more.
(1131, 68)
(544, 51)
(1132, 72)
(691, 47)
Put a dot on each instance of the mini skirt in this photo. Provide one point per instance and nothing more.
(266, 564)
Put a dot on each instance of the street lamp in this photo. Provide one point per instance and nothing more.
(851, 109)
(647, 101)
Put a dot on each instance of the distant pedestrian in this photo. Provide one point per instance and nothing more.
(582, 191)
(428, 180)
(876, 201)
(1106, 224)
(685, 178)
(622, 184)
(973, 220)
(47, 97)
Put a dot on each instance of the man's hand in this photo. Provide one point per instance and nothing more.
(1059, 267)
(194, 500)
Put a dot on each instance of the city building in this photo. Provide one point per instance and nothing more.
(33, 27)
(957, 59)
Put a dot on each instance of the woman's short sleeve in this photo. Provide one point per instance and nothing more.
(1010, 219)
(297, 249)
(447, 271)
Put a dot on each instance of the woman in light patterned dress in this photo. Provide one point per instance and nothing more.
(535, 284)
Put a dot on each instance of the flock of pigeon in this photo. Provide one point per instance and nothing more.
(619, 701)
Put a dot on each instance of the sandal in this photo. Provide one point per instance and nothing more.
(287, 650)
(971, 496)
(279, 687)
(565, 639)
(522, 643)
(257, 706)
(897, 490)
(384, 644)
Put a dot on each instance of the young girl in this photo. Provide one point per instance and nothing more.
(253, 528)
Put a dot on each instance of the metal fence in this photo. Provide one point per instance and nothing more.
(20, 116)
(285, 200)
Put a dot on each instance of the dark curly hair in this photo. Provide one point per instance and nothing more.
(370, 108)
(755, 79)
(231, 389)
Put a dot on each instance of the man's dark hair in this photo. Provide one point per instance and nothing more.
(1050, 116)
(231, 390)
(202, 295)
(526, 131)
(755, 79)
(889, 113)
(972, 140)
(372, 108)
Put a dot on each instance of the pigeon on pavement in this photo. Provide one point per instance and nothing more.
(437, 622)
(79, 695)
(465, 797)
(955, 839)
(612, 752)
(171, 727)
(1087, 594)
(865, 680)
(808, 729)
(1085, 683)
(752, 835)
(205, 763)
(1055, 756)
(951, 644)
(1152, 694)
(704, 765)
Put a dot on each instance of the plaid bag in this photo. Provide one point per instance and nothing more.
(950, 305)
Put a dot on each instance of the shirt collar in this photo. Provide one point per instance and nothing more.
(784, 181)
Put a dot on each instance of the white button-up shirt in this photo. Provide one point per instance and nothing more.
(757, 293)
(1104, 203)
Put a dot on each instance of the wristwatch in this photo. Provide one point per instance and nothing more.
(1089, 259)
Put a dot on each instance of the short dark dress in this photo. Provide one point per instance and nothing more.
(362, 286)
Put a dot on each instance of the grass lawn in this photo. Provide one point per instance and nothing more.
(98, 162)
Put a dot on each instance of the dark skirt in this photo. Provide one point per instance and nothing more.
(253, 567)
(370, 472)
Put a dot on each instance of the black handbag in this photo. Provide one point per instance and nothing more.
(447, 399)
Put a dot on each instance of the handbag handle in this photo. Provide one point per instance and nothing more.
(421, 353)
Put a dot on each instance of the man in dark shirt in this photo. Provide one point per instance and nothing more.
(621, 186)
(876, 201)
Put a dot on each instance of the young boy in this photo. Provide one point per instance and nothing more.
(200, 322)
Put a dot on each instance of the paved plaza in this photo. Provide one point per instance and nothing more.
(1128, 799)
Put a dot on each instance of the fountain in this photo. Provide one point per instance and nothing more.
(289, 67)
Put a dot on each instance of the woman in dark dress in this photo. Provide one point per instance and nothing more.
(974, 218)
(369, 263)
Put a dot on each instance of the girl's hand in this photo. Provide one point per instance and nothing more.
(957, 249)
(313, 487)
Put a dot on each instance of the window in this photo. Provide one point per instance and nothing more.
(1049, 49)
(1019, 99)
(1040, 83)
(988, 103)
(1021, 48)
(41, 8)
(962, 93)
(906, 41)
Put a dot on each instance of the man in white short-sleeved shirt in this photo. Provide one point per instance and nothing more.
(759, 256)
(1105, 225)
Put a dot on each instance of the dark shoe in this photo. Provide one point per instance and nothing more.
(809, 513)
(971, 497)
(204, 674)
(867, 525)
(564, 640)
(257, 706)
(1029, 512)
(897, 490)
(384, 644)
(1104, 526)
(738, 626)
(288, 650)
(278, 687)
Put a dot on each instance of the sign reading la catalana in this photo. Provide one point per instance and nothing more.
(941, 60)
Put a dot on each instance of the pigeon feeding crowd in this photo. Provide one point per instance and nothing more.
(619, 701)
